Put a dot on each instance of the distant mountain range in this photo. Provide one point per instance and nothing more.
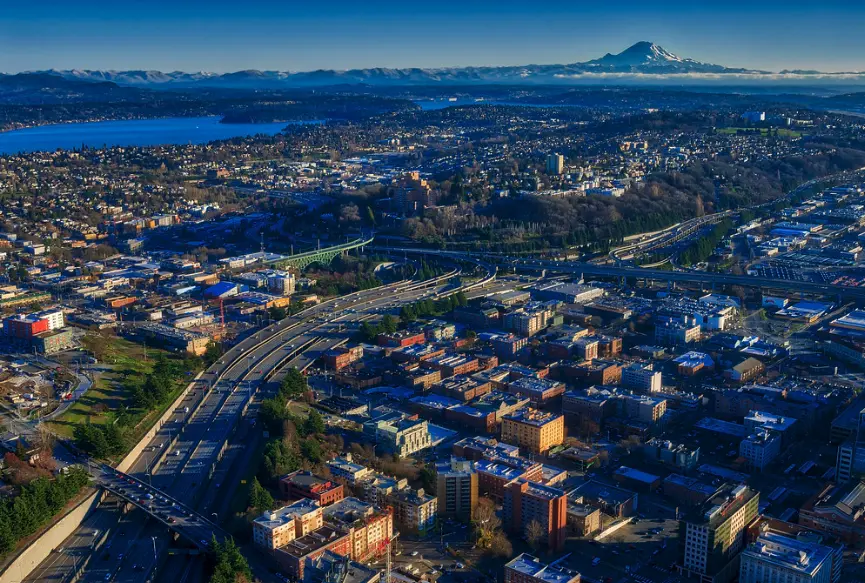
(642, 62)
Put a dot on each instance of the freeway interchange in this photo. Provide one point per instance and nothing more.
(178, 477)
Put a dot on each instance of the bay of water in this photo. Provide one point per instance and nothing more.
(137, 132)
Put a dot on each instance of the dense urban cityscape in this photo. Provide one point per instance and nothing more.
(432, 325)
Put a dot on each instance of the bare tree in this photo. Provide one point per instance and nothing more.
(535, 534)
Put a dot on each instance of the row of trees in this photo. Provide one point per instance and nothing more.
(293, 439)
(156, 388)
(36, 504)
(426, 308)
(100, 440)
(704, 246)
(369, 332)
(150, 391)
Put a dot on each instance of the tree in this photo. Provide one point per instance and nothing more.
(314, 423)
(428, 478)
(535, 534)
(259, 497)
(293, 385)
(229, 565)
(500, 546)
(388, 324)
(272, 414)
(311, 450)
(98, 343)
(211, 353)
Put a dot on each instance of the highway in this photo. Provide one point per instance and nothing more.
(186, 449)
(577, 268)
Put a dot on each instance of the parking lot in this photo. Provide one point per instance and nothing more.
(643, 552)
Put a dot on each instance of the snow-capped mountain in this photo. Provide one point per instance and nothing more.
(647, 57)
(643, 61)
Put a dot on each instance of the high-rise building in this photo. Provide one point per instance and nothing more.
(778, 558)
(534, 510)
(555, 164)
(457, 489)
(528, 569)
(713, 535)
(851, 453)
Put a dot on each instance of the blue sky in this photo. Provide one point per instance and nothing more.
(220, 36)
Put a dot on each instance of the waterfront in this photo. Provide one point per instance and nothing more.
(138, 132)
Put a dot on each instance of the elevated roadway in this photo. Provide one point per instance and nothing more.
(186, 451)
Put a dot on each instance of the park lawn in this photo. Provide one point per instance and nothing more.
(108, 392)
(782, 132)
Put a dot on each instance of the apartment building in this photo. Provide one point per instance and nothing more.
(344, 468)
(533, 430)
(643, 408)
(456, 489)
(403, 437)
(714, 534)
(641, 377)
(276, 528)
(760, 448)
(369, 528)
(415, 511)
(528, 503)
(305, 484)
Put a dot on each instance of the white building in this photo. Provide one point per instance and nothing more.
(55, 319)
(760, 448)
(641, 377)
(345, 468)
(281, 283)
(775, 558)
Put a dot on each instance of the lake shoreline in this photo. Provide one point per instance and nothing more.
(133, 132)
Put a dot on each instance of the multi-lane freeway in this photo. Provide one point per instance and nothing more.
(191, 450)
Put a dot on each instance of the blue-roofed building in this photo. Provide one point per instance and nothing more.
(224, 289)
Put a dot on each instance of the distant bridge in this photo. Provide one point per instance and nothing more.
(324, 256)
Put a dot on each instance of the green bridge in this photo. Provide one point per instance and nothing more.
(323, 256)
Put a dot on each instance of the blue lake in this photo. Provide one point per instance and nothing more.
(138, 132)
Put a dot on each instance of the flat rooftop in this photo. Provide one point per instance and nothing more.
(532, 417)
(533, 567)
(789, 553)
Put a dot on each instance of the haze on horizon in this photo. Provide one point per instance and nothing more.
(217, 36)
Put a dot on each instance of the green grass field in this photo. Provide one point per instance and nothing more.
(108, 392)
(782, 132)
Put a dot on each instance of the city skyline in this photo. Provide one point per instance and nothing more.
(213, 37)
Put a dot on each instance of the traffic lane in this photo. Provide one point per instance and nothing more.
(72, 551)
(108, 559)
(200, 398)
(232, 412)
